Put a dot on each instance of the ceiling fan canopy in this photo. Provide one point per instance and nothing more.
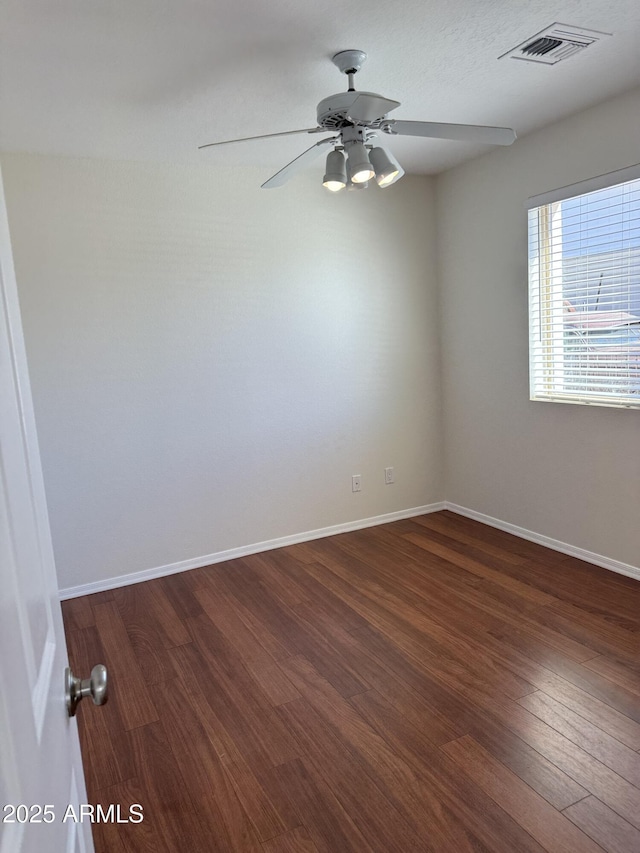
(360, 124)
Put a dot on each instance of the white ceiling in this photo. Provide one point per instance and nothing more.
(153, 79)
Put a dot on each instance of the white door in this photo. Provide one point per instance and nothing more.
(40, 763)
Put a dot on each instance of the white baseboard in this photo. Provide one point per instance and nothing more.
(555, 544)
(244, 551)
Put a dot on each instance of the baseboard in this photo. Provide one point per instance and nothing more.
(244, 551)
(555, 544)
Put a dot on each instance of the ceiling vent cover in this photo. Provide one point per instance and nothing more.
(557, 42)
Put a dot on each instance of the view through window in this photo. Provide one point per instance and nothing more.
(584, 288)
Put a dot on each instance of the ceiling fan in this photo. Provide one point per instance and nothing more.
(360, 126)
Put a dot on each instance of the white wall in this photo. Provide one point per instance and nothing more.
(564, 471)
(211, 362)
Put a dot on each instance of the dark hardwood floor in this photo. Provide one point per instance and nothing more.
(427, 685)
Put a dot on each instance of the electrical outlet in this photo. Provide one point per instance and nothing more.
(356, 483)
(389, 476)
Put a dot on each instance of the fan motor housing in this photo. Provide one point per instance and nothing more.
(333, 112)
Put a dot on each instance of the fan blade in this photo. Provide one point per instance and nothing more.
(265, 136)
(459, 132)
(370, 107)
(294, 166)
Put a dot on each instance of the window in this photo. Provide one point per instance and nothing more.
(584, 292)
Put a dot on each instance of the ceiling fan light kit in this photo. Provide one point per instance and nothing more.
(359, 164)
(358, 120)
(335, 177)
(354, 186)
(385, 170)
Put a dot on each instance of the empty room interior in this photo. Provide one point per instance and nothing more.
(342, 473)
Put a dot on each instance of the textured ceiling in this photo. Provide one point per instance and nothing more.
(153, 79)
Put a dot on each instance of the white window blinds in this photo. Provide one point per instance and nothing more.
(584, 292)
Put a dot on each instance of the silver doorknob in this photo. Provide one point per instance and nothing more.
(76, 689)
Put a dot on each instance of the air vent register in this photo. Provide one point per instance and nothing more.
(557, 42)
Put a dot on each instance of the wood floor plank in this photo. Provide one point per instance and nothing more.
(319, 811)
(510, 543)
(386, 552)
(555, 785)
(138, 837)
(126, 679)
(237, 698)
(101, 734)
(212, 789)
(374, 569)
(77, 613)
(168, 798)
(283, 623)
(436, 524)
(575, 762)
(605, 827)
(592, 630)
(218, 606)
(627, 675)
(495, 576)
(431, 684)
(110, 840)
(614, 723)
(611, 614)
(481, 569)
(274, 683)
(260, 799)
(556, 574)
(179, 589)
(609, 586)
(515, 605)
(435, 688)
(147, 632)
(622, 796)
(100, 597)
(300, 552)
(487, 826)
(544, 823)
(385, 674)
(383, 827)
(620, 758)
(425, 634)
(427, 579)
(266, 566)
(163, 615)
(409, 792)
(294, 841)
(317, 595)
(572, 673)
(219, 578)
